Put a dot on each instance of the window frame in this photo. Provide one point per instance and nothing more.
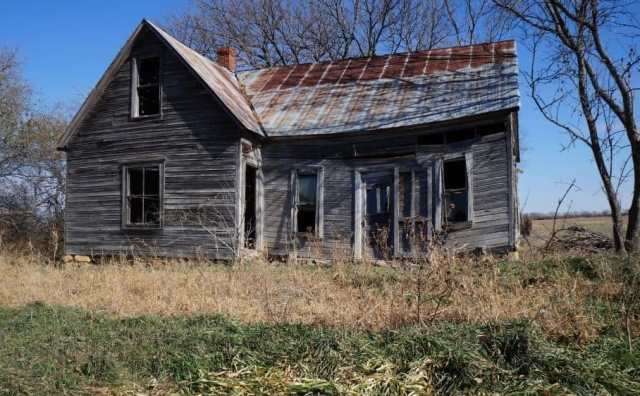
(318, 171)
(467, 157)
(125, 224)
(134, 113)
(382, 193)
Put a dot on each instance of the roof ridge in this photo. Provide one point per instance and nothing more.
(378, 56)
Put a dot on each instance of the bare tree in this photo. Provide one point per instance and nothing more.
(474, 21)
(590, 79)
(281, 32)
(32, 172)
(14, 102)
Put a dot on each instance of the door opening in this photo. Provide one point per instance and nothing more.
(250, 207)
(378, 214)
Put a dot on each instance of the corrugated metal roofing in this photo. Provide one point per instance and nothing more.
(384, 91)
(349, 95)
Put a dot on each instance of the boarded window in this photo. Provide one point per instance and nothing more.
(456, 191)
(147, 89)
(142, 195)
(306, 202)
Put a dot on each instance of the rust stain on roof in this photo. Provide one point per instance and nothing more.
(384, 91)
(358, 94)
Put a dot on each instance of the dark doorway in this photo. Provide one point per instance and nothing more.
(250, 207)
(378, 208)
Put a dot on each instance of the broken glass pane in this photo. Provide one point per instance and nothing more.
(135, 181)
(455, 175)
(151, 181)
(151, 211)
(456, 206)
(135, 210)
(149, 71)
(307, 219)
(149, 100)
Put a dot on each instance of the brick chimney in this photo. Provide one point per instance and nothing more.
(227, 58)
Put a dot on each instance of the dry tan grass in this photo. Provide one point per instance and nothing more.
(357, 296)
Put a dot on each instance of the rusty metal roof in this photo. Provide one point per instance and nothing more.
(350, 95)
(384, 91)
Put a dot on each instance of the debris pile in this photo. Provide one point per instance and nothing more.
(580, 238)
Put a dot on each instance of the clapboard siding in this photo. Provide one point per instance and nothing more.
(196, 139)
(199, 145)
(341, 156)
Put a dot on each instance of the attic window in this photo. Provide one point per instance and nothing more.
(146, 87)
(456, 191)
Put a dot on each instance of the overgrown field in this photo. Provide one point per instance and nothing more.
(553, 324)
(542, 227)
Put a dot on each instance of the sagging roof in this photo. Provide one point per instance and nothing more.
(351, 95)
(221, 82)
(384, 91)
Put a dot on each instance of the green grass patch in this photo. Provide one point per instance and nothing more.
(51, 350)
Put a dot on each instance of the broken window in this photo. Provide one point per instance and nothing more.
(142, 195)
(306, 203)
(146, 100)
(378, 199)
(456, 191)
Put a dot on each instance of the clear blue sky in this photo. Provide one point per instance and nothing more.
(65, 47)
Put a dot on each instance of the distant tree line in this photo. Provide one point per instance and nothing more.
(570, 215)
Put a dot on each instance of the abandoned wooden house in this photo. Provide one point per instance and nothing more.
(176, 155)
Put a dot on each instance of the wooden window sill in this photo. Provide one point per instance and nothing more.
(146, 117)
(307, 235)
(141, 227)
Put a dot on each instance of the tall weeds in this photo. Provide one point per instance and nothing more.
(570, 299)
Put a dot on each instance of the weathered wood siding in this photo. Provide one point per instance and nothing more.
(340, 157)
(199, 146)
(196, 139)
(491, 195)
